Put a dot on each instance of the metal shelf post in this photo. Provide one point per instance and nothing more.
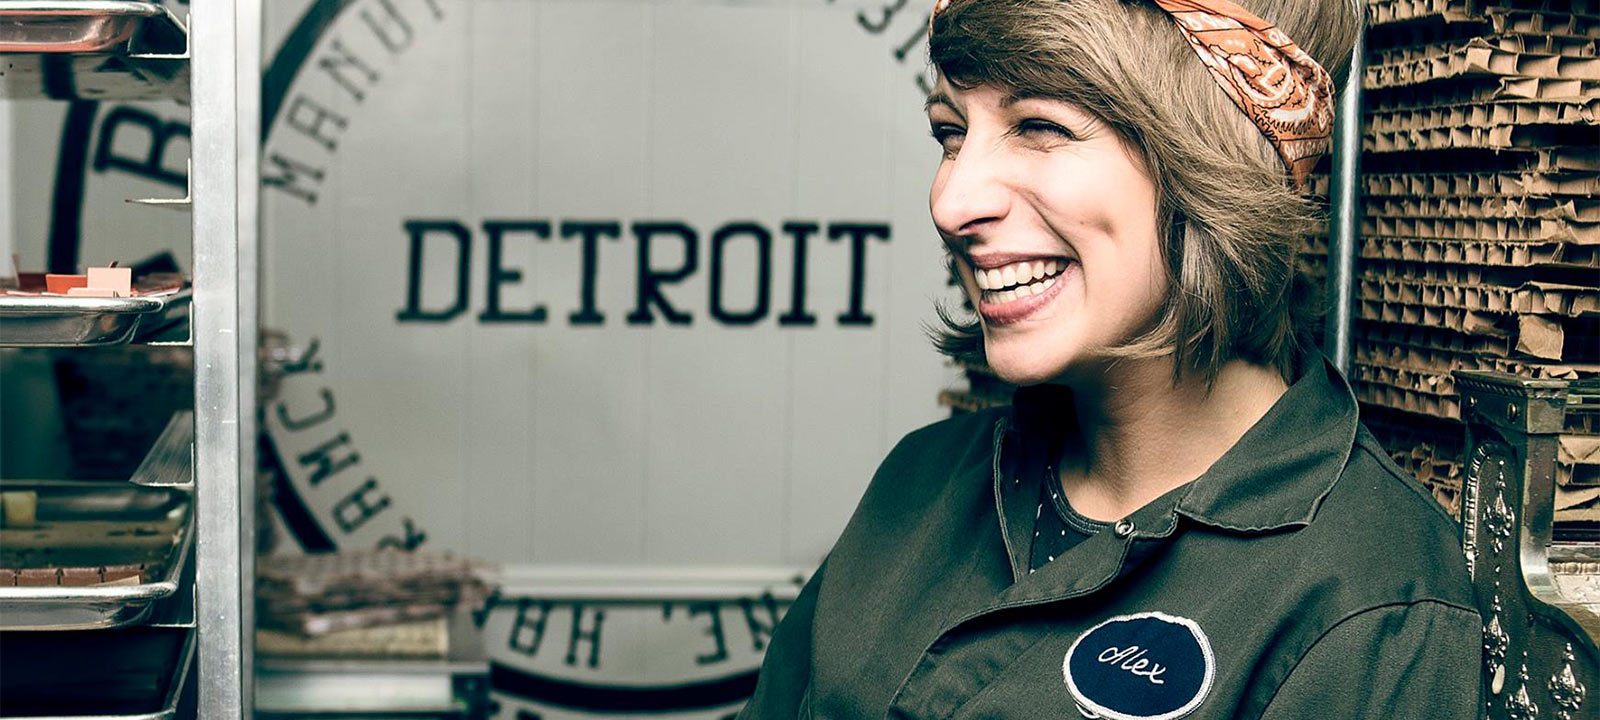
(1344, 222)
(224, 76)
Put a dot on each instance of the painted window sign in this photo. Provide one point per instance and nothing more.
(621, 283)
(457, 241)
(695, 659)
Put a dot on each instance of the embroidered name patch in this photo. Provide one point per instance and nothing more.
(1147, 666)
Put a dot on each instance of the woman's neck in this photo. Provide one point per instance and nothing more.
(1138, 436)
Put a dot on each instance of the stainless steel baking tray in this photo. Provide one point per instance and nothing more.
(98, 606)
(170, 462)
(127, 674)
(52, 321)
(92, 50)
(57, 26)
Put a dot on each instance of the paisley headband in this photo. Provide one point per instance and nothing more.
(1279, 87)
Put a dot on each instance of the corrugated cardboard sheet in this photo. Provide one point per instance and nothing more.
(1481, 226)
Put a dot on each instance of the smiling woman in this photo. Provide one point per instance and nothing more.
(1032, 181)
(1213, 533)
(1226, 220)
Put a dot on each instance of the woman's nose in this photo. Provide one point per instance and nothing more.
(970, 193)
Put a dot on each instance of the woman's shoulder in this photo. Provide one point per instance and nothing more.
(1382, 487)
(956, 434)
(1384, 530)
(921, 466)
(960, 442)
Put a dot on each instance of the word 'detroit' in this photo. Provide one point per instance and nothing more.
(665, 254)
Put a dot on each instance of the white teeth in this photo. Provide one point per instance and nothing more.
(1021, 274)
(1025, 291)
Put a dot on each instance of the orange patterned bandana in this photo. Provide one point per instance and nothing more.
(1277, 85)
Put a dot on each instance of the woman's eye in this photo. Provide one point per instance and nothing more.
(1044, 129)
(949, 138)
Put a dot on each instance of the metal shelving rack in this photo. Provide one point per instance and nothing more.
(219, 72)
(225, 76)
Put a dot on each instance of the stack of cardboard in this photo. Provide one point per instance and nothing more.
(383, 603)
(1480, 241)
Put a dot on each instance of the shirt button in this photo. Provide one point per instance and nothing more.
(1124, 528)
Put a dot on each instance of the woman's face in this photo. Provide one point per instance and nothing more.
(1053, 226)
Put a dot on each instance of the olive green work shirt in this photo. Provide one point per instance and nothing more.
(1302, 576)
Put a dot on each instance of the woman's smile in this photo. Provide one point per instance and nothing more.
(1016, 291)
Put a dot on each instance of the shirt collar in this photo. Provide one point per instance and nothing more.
(1274, 478)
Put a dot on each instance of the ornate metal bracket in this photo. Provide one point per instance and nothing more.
(1540, 657)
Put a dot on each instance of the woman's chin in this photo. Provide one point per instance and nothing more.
(1023, 369)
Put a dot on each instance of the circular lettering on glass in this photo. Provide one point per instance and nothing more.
(1147, 666)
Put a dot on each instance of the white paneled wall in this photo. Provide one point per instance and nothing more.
(554, 441)
(619, 443)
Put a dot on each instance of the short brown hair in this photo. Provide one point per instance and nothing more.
(1232, 217)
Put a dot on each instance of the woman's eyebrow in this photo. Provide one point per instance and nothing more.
(939, 97)
(1016, 96)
